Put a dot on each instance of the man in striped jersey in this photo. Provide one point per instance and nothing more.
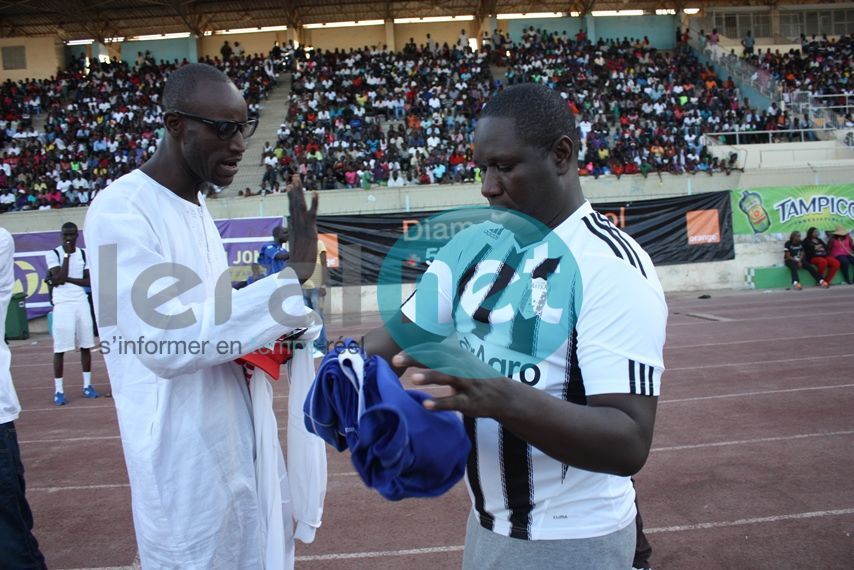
(572, 320)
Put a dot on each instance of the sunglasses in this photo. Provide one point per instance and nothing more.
(225, 129)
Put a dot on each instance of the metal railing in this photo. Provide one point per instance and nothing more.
(741, 71)
(743, 136)
(807, 104)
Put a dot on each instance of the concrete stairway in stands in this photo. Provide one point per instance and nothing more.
(273, 112)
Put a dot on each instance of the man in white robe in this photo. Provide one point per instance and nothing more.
(171, 327)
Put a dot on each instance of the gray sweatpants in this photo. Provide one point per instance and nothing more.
(486, 550)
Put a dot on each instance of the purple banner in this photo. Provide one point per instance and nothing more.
(242, 239)
(31, 250)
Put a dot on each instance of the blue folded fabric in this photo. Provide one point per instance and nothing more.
(397, 446)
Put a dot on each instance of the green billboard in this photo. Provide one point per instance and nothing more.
(782, 210)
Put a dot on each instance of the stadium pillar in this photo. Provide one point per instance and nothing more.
(590, 24)
(775, 21)
(193, 46)
(487, 26)
(295, 35)
(389, 35)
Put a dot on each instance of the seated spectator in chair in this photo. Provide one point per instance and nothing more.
(816, 253)
(794, 258)
(841, 246)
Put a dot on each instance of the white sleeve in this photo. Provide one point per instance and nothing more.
(431, 306)
(53, 259)
(250, 325)
(621, 330)
(307, 473)
(7, 270)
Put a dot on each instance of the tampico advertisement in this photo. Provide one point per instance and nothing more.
(782, 210)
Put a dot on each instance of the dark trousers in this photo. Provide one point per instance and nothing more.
(18, 546)
(845, 261)
(793, 268)
(643, 549)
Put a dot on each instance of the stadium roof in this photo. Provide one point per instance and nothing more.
(99, 19)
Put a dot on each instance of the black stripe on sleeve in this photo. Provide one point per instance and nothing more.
(609, 228)
(606, 225)
(642, 377)
(633, 387)
(650, 371)
(516, 478)
(601, 236)
(487, 519)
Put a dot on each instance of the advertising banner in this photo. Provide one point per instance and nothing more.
(686, 229)
(778, 211)
(242, 239)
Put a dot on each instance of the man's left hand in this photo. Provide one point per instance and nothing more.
(476, 388)
(302, 227)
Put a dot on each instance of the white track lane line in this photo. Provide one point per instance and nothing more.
(380, 553)
(459, 548)
(731, 322)
(754, 393)
(757, 520)
(68, 439)
(657, 530)
(107, 486)
(781, 361)
(753, 341)
(750, 441)
(348, 474)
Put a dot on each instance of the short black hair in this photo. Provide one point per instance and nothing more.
(69, 226)
(541, 115)
(182, 83)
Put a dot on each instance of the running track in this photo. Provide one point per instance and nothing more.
(752, 464)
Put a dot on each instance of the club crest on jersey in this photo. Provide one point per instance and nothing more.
(539, 292)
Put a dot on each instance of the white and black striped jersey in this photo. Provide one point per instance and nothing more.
(579, 313)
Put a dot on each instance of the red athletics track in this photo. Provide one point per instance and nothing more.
(751, 466)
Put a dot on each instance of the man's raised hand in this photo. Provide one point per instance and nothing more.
(302, 227)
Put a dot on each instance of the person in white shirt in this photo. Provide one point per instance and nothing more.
(72, 326)
(396, 180)
(556, 326)
(63, 184)
(20, 548)
(463, 40)
(187, 421)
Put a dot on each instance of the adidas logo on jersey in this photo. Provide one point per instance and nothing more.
(494, 233)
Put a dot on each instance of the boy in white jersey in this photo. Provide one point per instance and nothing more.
(72, 318)
(573, 322)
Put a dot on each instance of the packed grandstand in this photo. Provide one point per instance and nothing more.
(374, 117)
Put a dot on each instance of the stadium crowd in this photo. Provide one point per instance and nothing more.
(100, 123)
(368, 117)
(822, 68)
